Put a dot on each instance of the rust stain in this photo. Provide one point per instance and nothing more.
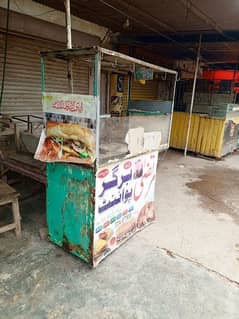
(73, 247)
(91, 245)
(84, 231)
(85, 183)
(92, 201)
(92, 191)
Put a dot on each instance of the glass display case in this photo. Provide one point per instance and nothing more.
(102, 148)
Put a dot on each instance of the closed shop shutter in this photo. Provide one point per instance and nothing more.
(147, 91)
(22, 90)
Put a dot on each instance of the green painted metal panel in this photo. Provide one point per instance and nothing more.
(70, 207)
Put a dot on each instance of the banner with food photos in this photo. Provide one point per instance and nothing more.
(124, 202)
(69, 133)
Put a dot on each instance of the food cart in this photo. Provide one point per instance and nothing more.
(101, 161)
(213, 133)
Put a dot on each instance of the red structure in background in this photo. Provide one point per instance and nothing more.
(218, 76)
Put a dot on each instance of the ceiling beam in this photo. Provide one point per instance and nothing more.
(203, 16)
(183, 38)
(206, 18)
(129, 8)
(102, 19)
(125, 13)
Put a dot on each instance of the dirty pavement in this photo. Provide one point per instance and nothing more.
(185, 265)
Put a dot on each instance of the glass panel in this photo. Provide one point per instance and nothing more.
(122, 136)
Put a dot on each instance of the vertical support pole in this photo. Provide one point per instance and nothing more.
(28, 123)
(108, 91)
(193, 95)
(129, 90)
(172, 108)
(70, 76)
(233, 84)
(5, 54)
(69, 43)
(68, 24)
(42, 79)
(96, 91)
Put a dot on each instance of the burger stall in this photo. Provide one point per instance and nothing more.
(101, 165)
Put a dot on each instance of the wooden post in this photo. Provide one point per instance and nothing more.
(17, 217)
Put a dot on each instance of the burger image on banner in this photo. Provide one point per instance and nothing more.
(67, 142)
(103, 244)
(146, 214)
(69, 134)
(125, 230)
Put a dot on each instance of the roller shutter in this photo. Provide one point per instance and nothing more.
(22, 93)
(147, 91)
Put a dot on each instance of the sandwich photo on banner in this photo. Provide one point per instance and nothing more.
(68, 136)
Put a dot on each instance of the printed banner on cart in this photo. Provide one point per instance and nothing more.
(69, 133)
(124, 202)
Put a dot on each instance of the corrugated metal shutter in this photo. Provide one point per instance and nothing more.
(147, 91)
(22, 94)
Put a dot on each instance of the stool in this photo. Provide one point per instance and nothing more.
(8, 195)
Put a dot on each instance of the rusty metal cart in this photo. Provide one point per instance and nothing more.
(97, 199)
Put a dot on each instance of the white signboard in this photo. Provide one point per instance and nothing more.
(124, 202)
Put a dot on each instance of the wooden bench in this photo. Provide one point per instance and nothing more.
(8, 195)
(23, 164)
(17, 148)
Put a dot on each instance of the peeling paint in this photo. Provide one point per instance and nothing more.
(70, 207)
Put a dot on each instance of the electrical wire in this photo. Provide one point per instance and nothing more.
(147, 26)
(202, 16)
(5, 54)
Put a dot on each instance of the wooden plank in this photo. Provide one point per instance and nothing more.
(3, 229)
(7, 193)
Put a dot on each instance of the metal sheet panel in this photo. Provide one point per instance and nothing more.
(162, 107)
(22, 93)
(70, 208)
(178, 135)
(206, 135)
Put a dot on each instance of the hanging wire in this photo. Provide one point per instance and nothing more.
(5, 54)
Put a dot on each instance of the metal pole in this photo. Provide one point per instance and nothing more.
(172, 109)
(69, 43)
(68, 23)
(5, 54)
(193, 94)
(96, 88)
(233, 85)
(129, 90)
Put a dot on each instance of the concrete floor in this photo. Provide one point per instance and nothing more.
(198, 210)
(185, 265)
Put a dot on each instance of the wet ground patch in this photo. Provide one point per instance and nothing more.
(218, 189)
